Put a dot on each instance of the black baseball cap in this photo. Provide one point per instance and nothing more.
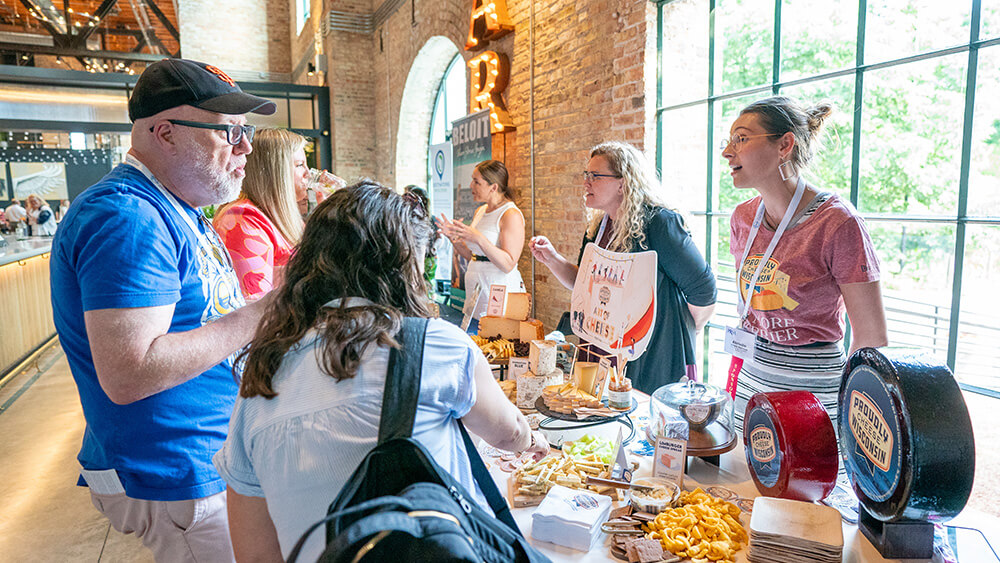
(170, 83)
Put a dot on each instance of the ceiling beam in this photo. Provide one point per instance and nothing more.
(163, 19)
(57, 36)
(80, 42)
(71, 52)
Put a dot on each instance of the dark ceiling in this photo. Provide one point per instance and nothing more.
(88, 33)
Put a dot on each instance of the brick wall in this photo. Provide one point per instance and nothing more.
(594, 76)
(246, 38)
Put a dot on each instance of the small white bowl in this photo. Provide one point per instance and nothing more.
(650, 504)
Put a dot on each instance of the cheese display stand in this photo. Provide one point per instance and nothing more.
(908, 447)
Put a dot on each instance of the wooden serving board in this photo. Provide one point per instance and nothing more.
(517, 500)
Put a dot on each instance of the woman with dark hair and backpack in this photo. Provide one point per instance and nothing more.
(312, 389)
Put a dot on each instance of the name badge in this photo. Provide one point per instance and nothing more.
(740, 343)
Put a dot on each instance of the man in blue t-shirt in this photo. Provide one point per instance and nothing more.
(149, 311)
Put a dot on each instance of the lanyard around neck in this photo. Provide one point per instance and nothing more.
(212, 246)
(743, 306)
(605, 221)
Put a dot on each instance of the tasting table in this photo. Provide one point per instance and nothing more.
(733, 474)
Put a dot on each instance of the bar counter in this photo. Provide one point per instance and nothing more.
(25, 302)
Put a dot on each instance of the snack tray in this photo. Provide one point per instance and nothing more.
(544, 409)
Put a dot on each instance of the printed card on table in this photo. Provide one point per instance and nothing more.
(498, 295)
(518, 367)
(668, 461)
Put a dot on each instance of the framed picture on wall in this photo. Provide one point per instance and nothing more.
(4, 191)
(44, 179)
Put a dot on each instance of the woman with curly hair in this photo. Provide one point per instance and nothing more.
(312, 388)
(626, 215)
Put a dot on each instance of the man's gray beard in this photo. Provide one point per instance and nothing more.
(222, 186)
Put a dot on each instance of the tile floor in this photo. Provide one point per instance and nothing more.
(45, 516)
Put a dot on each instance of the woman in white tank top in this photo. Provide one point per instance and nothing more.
(492, 242)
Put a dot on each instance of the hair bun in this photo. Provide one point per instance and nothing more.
(817, 114)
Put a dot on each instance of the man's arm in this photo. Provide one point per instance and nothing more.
(135, 357)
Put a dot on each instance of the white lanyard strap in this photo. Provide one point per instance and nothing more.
(137, 164)
(600, 230)
(211, 246)
(743, 306)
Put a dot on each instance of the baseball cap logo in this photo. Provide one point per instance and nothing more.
(222, 76)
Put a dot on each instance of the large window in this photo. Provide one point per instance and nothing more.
(301, 13)
(449, 105)
(915, 146)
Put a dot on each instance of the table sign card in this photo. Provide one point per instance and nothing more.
(668, 461)
(603, 369)
(620, 467)
(518, 367)
(498, 295)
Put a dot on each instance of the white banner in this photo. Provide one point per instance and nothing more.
(442, 196)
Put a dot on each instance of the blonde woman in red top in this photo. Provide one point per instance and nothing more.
(261, 227)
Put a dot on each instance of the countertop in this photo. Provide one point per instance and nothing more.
(16, 250)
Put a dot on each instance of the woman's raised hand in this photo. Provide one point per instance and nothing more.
(542, 249)
(456, 230)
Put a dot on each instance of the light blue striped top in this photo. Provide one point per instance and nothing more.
(298, 449)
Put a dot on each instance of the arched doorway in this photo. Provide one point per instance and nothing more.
(416, 109)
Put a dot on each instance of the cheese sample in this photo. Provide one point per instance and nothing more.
(531, 329)
(542, 356)
(565, 398)
(531, 385)
(584, 376)
(509, 329)
(518, 306)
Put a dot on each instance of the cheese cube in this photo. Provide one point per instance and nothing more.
(542, 356)
(531, 329)
(518, 306)
(509, 329)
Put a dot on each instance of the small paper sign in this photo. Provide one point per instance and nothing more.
(603, 369)
(668, 461)
(620, 468)
(518, 367)
(498, 296)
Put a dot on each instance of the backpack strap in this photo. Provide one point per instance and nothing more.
(486, 483)
(399, 407)
(402, 381)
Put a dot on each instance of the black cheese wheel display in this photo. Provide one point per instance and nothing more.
(905, 435)
(790, 445)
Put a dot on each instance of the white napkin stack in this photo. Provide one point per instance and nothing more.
(791, 531)
(570, 517)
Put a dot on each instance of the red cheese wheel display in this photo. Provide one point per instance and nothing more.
(790, 445)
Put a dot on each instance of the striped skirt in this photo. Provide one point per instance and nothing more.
(815, 367)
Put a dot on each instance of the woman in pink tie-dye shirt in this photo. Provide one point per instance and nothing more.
(261, 228)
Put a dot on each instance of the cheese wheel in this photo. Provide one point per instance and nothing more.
(905, 435)
(790, 445)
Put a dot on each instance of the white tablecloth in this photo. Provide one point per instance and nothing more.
(733, 474)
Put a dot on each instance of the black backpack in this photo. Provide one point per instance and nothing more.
(401, 505)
